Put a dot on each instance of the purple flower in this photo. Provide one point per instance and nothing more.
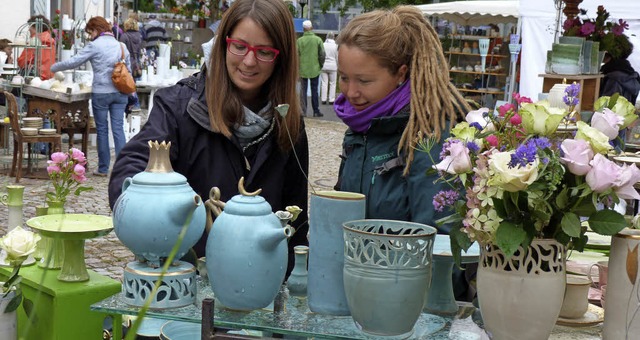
(541, 142)
(587, 28)
(476, 125)
(444, 198)
(525, 154)
(445, 147)
(473, 147)
(571, 95)
(618, 29)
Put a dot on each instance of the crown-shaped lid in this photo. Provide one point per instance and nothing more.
(159, 170)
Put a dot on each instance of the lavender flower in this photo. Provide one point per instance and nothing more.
(445, 147)
(525, 154)
(571, 95)
(473, 147)
(476, 125)
(444, 198)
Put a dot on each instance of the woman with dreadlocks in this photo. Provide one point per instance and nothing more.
(395, 87)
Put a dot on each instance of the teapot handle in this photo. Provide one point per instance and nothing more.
(213, 205)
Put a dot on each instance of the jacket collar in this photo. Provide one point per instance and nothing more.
(197, 106)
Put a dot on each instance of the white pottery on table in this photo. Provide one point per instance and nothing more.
(522, 302)
(8, 321)
(622, 315)
(576, 297)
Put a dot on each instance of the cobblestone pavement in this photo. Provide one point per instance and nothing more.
(106, 255)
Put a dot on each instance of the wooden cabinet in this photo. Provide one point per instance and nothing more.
(589, 86)
(465, 68)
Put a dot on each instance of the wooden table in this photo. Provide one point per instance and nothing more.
(68, 112)
(589, 86)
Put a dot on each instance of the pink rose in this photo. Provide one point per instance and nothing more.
(607, 122)
(59, 157)
(78, 156)
(457, 161)
(53, 169)
(577, 155)
(79, 178)
(603, 174)
(515, 119)
(627, 177)
(79, 170)
(492, 140)
(505, 108)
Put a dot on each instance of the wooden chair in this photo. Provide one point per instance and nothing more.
(19, 139)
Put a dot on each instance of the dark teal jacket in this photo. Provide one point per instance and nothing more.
(371, 166)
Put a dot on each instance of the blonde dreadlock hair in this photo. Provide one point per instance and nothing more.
(402, 36)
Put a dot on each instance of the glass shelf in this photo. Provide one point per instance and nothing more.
(296, 319)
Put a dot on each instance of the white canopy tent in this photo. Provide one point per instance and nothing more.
(474, 13)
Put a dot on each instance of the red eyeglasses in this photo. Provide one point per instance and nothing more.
(239, 48)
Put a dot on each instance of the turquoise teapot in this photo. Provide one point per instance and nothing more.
(152, 208)
(247, 250)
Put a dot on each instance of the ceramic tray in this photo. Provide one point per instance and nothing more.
(592, 317)
(597, 241)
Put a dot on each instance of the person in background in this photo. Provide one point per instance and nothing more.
(103, 52)
(6, 52)
(155, 35)
(222, 122)
(619, 75)
(395, 90)
(311, 54)
(329, 69)
(27, 58)
(133, 40)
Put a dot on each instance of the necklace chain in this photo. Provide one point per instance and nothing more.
(265, 135)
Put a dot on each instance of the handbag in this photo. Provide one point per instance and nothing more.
(122, 79)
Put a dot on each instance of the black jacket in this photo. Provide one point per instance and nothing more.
(209, 159)
(133, 40)
(620, 77)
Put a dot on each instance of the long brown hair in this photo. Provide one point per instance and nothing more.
(402, 36)
(223, 97)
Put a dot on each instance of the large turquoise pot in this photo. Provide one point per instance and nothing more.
(247, 252)
(327, 212)
(387, 270)
(154, 205)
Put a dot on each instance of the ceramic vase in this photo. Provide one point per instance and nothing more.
(521, 297)
(8, 321)
(297, 281)
(66, 54)
(40, 248)
(328, 210)
(13, 199)
(387, 270)
(53, 249)
(622, 315)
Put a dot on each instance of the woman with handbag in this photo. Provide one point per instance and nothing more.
(103, 52)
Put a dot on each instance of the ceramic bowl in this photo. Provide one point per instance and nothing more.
(29, 131)
(176, 330)
(47, 131)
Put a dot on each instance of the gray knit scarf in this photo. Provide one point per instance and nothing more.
(253, 125)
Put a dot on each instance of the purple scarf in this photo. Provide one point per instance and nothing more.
(360, 121)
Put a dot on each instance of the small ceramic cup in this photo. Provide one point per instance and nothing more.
(576, 297)
(603, 273)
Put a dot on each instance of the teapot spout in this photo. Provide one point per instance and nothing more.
(186, 210)
(273, 237)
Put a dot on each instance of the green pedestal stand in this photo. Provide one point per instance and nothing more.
(62, 308)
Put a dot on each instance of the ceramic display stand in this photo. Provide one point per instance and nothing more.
(178, 287)
(73, 229)
(440, 297)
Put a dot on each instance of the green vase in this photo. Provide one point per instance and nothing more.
(40, 248)
(53, 253)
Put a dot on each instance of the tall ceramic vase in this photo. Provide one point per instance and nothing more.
(387, 270)
(53, 253)
(297, 281)
(8, 321)
(327, 212)
(13, 200)
(521, 297)
(622, 314)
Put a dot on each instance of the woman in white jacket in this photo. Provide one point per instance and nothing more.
(329, 70)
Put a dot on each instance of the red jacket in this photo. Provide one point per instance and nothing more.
(47, 56)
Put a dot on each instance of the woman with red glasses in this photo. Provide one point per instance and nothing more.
(222, 122)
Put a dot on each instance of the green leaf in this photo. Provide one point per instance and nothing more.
(607, 222)
(459, 241)
(81, 189)
(580, 242)
(571, 224)
(584, 208)
(509, 237)
(562, 200)
(27, 305)
(498, 205)
(14, 303)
